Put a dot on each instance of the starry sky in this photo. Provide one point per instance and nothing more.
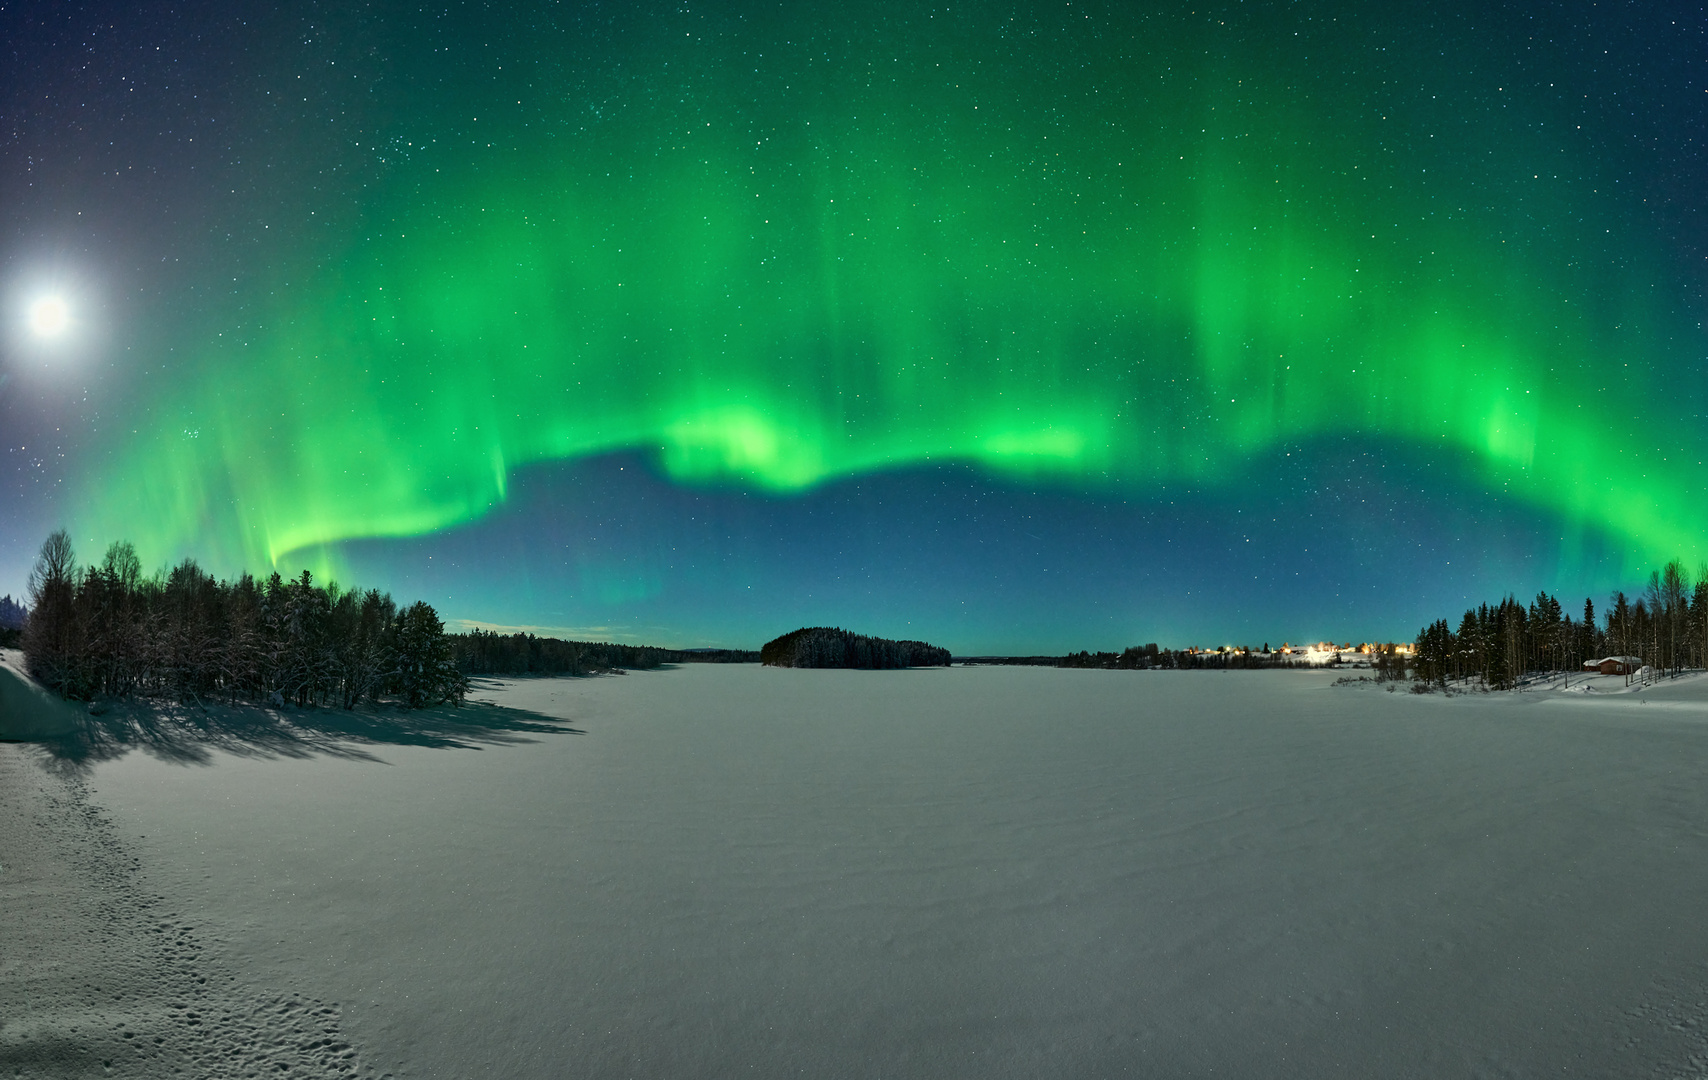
(1013, 327)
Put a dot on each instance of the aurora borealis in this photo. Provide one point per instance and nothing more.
(1167, 270)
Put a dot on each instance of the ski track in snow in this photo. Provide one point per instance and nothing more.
(99, 976)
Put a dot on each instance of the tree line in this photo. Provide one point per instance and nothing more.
(484, 652)
(107, 631)
(1149, 657)
(1501, 644)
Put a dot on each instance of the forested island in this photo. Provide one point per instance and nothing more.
(833, 647)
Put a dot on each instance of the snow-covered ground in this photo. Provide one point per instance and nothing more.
(1025, 872)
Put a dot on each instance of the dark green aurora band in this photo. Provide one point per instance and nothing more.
(1109, 252)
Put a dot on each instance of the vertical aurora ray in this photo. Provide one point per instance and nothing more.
(1094, 255)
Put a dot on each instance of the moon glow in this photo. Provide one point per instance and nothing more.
(49, 316)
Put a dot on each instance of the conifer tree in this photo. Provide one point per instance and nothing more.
(51, 636)
(425, 673)
(1619, 625)
(1698, 621)
(1586, 632)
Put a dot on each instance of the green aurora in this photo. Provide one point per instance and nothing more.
(1112, 260)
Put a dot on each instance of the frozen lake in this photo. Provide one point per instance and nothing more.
(735, 871)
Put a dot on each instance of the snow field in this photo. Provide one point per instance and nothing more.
(736, 871)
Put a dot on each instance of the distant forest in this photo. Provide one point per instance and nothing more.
(1150, 657)
(483, 652)
(833, 647)
(1500, 644)
(107, 631)
(12, 615)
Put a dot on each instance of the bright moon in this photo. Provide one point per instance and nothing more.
(49, 316)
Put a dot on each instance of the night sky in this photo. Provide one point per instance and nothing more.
(1011, 327)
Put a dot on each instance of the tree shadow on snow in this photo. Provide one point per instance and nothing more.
(188, 735)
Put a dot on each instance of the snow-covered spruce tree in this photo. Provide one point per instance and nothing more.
(425, 674)
(1699, 619)
(306, 662)
(362, 655)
